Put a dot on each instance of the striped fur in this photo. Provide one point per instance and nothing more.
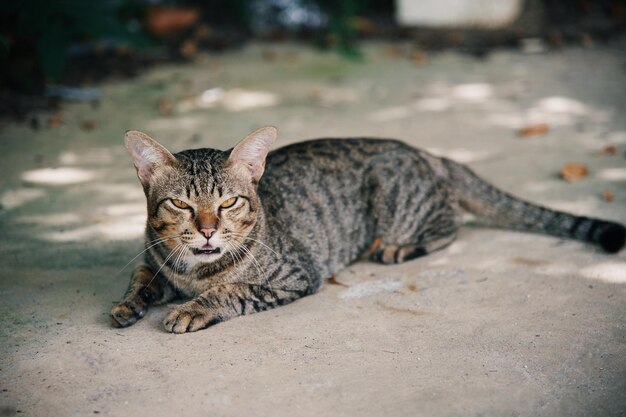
(319, 206)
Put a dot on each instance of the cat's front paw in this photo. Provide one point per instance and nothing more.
(127, 313)
(189, 317)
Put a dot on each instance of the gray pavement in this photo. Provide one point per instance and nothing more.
(499, 324)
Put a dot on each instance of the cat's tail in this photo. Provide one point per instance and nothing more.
(497, 208)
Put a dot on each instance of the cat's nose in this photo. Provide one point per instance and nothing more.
(207, 233)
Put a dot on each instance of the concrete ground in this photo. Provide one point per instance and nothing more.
(499, 324)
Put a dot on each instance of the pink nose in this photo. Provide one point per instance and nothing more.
(207, 232)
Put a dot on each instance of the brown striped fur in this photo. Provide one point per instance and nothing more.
(301, 214)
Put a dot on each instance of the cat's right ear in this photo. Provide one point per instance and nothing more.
(148, 155)
(252, 151)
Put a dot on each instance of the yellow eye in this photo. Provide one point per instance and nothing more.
(229, 203)
(180, 204)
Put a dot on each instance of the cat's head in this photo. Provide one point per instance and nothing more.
(202, 202)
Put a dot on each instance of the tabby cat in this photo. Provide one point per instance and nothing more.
(241, 231)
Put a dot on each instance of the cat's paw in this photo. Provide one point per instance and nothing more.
(188, 317)
(127, 313)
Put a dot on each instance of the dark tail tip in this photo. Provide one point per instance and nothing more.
(613, 238)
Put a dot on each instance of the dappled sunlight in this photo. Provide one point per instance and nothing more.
(612, 174)
(57, 219)
(120, 191)
(390, 114)
(562, 105)
(472, 92)
(557, 269)
(126, 228)
(93, 156)
(614, 272)
(463, 155)
(235, 100)
(540, 186)
(115, 222)
(433, 104)
(125, 209)
(616, 138)
(366, 289)
(58, 176)
(11, 199)
(190, 122)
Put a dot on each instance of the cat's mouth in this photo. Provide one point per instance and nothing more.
(206, 250)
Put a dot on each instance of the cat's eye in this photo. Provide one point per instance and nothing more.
(228, 203)
(179, 203)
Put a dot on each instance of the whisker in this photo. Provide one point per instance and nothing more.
(255, 240)
(158, 241)
(180, 245)
(260, 270)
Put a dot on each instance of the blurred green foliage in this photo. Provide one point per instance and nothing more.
(49, 26)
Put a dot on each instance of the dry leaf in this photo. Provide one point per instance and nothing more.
(88, 125)
(333, 280)
(166, 107)
(534, 130)
(167, 21)
(419, 57)
(55, 120)
(574, 171)
(609, 150)
(188, 48)
(608, 196)
(269, 55)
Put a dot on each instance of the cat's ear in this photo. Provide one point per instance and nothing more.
(148, 155)
(251, 151)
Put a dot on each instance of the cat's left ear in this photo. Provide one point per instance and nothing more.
(252, 151)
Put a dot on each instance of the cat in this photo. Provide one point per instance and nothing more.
(241, 231)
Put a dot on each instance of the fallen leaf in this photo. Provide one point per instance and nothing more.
(167, 21)
(269, 55)
(166, 106)
(574, 171)
(88, 125)
(608, 196)
(419, 57)
(55, 120)
(188, 48)
(609, 150)
(534, 130)
(333, 280)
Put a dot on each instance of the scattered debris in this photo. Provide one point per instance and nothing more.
(269, 55)
(574, 171)
(607, 196)
(167, 21)
(88, 125)
(333, 281)
(609, 150)
(55, 120)
(586, 40)
(188, 48)
(419, 57)
(533, 130)
(166, 106)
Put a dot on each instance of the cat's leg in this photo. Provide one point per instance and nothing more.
(395, 254)
(414, 214)
(227, 301)
(144, 290)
